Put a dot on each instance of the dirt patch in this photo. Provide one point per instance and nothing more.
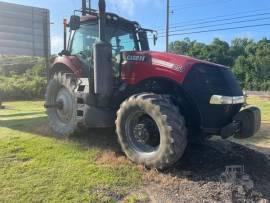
(111, 158)
(106, 194)
(196, 177)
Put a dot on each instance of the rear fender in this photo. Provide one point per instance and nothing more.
(70, 64)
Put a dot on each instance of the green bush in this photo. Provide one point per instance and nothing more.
(22, 87)
(22, 78)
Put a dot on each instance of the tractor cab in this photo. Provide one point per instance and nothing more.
(123, 36)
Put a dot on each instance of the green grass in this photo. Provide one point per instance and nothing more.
(263, 104)
(37, 167)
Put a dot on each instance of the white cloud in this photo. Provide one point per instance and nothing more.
(56, 44)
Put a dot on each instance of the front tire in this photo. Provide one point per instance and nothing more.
(61, 89)
(151, 130)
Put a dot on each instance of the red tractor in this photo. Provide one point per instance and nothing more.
(106, 76)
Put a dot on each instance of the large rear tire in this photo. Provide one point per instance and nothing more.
(61, 91)
(151, 130)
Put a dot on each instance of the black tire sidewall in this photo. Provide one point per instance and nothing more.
(134, 154)
(167, 152)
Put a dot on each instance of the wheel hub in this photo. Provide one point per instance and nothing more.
(141, 133)
(144, 132)
(65, 107)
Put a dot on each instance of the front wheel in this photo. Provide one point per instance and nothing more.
(151, 130)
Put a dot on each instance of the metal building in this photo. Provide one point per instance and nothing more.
(24, 30)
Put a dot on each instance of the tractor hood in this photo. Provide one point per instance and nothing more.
(138, 66)
(165, 59)
(200, 80)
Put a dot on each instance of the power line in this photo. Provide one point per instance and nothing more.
(187, 4)
(221, 29)
(181, 7)
(221, 24)
(219, 20)
(215, 17)
(220, 16)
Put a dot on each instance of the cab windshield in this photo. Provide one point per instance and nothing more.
(119, 37)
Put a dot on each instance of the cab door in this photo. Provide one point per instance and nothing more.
(122, 41)
(81, 46)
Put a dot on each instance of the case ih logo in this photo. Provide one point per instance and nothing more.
(136, 58)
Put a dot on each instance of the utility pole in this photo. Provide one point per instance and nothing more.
(167, 25)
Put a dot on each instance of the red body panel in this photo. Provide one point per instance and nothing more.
(156, 64)
(71, 62)
(140, 66)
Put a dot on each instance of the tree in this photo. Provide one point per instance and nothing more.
(249, 60)
(180, 47)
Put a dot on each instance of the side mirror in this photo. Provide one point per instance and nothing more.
(75, 22)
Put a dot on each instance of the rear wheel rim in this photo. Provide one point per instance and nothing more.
(142, 132)
(65, 113)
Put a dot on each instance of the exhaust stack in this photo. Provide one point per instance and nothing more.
(103, 72)
(84, 7)
(102, 19)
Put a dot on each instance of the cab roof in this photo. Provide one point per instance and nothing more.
(94, 17)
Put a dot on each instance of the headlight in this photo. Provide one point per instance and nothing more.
(218, 99)
(239, 100)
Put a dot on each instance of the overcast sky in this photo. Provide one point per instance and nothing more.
(185, 13)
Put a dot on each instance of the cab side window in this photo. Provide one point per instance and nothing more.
(122, 42)
(83, 39)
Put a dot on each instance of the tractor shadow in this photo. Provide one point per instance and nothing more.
(105, 139)
(99, 138)
(203, 162)
(21, 114)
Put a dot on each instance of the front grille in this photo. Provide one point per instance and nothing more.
(205, 80)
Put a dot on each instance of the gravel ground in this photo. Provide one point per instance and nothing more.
(196, 178)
